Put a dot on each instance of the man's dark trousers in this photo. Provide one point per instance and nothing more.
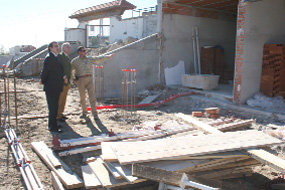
(52, 101)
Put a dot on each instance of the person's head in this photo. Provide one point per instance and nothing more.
(81, 51)
(66, 48)
(53, 47)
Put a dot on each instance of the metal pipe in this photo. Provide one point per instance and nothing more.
(16, 103)
(194, 51)
(131, 44)
(198, 50)
(102, 85)
(8, 91)
(0, 111)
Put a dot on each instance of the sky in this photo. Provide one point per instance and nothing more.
(34, 22)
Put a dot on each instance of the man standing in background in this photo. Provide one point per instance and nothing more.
(64, 59)
(52, 79)
(83, 71)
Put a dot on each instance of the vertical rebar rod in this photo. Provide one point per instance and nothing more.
(131, 90)
(8, 93)
(127, 91)
(123, 92)
(5, 88)
(135, 87)
(102, 87)
(1, 106)
(16, 103)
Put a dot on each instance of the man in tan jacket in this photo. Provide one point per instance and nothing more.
(82, 65)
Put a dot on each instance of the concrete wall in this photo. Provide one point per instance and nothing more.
(264, 23)
(143, 57)
(138, 27)
(178, 43)
(75, 34)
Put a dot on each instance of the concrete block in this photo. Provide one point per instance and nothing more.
(204, 82)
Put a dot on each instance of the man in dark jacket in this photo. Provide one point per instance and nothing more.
(52, 79)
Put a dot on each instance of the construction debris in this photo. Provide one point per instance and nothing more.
(69, 179)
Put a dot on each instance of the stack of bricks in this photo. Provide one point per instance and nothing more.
(212, 61)
(213, 112)
(273, 70)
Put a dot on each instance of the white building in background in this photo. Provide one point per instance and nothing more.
(103, 23)
(20, 50)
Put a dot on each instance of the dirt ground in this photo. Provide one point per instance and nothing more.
(33, 102)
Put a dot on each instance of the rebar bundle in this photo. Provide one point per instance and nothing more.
(99, 83)
(129, 82)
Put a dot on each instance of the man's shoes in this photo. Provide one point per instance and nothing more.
(61, 119)
(56, 130)
(83, 116)
(64, 117)
(96, 118)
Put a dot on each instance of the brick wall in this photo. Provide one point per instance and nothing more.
(240, 42)
(170, 8)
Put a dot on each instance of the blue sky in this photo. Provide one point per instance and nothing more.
(38, 22)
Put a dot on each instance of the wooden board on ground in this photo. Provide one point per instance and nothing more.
(56, 184)
(155, 174)
(113, 170)
(146, 151)
(179, 165)
(126, 172)
(149, 99)
(90, 179)
(69, 179)
(259, 154)
(235, 125)
(53, 159)
(107, 180)
(107, 152)
(268, 159)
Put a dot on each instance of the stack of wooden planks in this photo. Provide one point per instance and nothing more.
(214, 156)
(198, 150)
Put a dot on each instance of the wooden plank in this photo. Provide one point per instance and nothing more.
(107, 180)
(69, 179)
(113, 170)
(150, 99)
(125, 171)
(180, 165)
(235, 125)
(54, 161)
(258, 154)
(225, 172)
(107, 152)
(90, 179)
(155, 174)
(168, 177)
(56, 184)
(79, 150)
(146, 151)
(199, 124)
(267, 158)
(224, 165)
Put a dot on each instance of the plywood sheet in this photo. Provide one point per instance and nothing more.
(153, 150)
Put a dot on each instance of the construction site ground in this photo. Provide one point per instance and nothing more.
(32, 101)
